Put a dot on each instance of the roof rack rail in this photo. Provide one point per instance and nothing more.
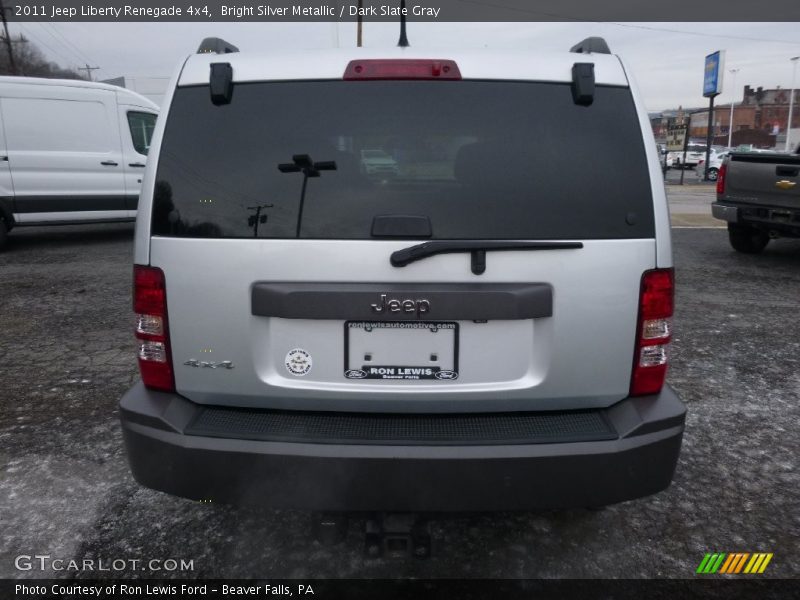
(591, 44)
(214, 45)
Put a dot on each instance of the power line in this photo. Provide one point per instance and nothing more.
(39, 42)
(82, 58)
(88, 70)
(62, 36)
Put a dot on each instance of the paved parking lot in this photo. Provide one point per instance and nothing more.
(66, 351)
(690, 205)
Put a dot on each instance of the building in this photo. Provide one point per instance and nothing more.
(662, 121)
(743, 118)
(152, 88)
(759, 119)
(771, 108)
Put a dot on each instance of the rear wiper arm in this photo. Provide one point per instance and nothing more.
(478, 248)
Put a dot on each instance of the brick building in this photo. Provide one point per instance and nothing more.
(662, 121)
(771, 108)
(743, 118)
(760, 118)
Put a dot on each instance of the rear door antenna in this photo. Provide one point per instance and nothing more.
(403, 42)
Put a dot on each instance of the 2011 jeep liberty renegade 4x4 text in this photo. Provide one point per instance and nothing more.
(485, 329)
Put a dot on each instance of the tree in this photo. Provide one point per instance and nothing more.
(30, 61)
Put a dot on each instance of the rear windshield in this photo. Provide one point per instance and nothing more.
(477, 159)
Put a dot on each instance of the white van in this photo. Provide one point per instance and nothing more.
(70, 151)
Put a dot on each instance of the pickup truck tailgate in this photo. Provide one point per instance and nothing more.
(764, 179)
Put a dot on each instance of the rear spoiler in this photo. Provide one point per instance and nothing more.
(214, 45)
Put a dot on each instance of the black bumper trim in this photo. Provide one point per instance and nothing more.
(353, 477)
(442, 301)
(383, 429)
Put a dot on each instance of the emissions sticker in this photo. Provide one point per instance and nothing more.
(298, 362)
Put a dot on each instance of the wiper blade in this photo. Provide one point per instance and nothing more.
(478, 248)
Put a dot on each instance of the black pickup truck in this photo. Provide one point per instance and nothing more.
(758, 194)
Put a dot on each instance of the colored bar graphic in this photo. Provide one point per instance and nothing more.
(711, 563)
(755, 563)
(703, 563)
(718, 562)
(764, 564)
(730, 564)
(734, 563)
(740, 564)
(727, 564)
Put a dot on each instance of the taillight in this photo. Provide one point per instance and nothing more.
(721, 179)
(653, 332)
(401, 69)
(152, 330)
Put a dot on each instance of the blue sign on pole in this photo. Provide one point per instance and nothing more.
(712, 80)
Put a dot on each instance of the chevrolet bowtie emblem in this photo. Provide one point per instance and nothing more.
(785, 184)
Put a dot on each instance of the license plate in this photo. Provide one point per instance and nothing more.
(402, 350)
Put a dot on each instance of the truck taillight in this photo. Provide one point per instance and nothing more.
(152, 330)
(401, 69)
(721, 179)
(653, 332)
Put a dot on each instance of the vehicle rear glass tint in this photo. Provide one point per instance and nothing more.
(479, 159)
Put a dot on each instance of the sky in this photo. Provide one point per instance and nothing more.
(666, 58)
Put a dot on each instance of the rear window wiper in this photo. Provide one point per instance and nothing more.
(401, 258)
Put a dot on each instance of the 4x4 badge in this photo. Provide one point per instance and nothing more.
(207, 364)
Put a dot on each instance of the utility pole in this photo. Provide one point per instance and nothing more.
(791, 104)
(88, 70)
(709, 135)
(686, 145)
(8, 40)
(733, 99)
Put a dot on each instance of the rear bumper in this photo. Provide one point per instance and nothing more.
(725, 212)
(783, 220)
(636, 460)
